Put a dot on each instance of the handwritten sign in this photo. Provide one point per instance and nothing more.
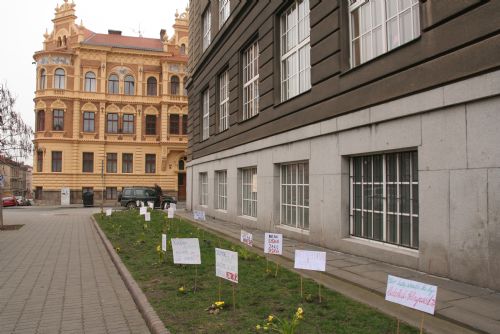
(413, 294)
(151, 205)
(109, 212)
(137, 203)
(173, 206)
(164, 242)
(310, 260)
(147, 216)
(199, 215)
(170, 213)
(273, 243)
(186, 250)
(246, 238)
(142, 210)
(226, 264)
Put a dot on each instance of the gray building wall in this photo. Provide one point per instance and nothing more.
(455, 131)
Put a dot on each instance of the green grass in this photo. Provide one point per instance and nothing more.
(258, 294)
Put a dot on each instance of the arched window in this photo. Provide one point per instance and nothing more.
(183, 49)
(90, 82)
(64, 40)
(42, 84)
(174, 85)
(59, 41)
(113, 84)
(59, 76)
(152, 86)
(181, 164)
(129, 85)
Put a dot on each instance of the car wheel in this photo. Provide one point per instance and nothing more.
(131, 205)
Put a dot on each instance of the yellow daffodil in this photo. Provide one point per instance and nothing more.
(181, 289)
(270, 318)
(257, 327)
(158, 248)
(118, 249)
(219, 303)
(266, 328)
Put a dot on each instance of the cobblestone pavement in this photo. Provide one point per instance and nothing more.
(56, 277)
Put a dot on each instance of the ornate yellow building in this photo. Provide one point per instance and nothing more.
(111, 111)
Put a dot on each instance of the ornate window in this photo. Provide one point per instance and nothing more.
(88, 121)
(152, 86)
(150, 124)
(182, 49)
(181, 164)
(40, 120)
(59, 79)
(42, 84)
(251, 81)
(127, 163)
(56, 161)
(129, 85)
(174, 85)
(113, 84)
(150, 163)
(128, 123)
(90, 82)
(88, 162)
(112, 123)
(111, 162)
(58, 120)
(174, 124)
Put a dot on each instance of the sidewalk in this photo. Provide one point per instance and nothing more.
(461, 308)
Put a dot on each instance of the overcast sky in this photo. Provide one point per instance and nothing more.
(23, 23)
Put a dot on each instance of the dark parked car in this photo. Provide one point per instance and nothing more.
(130, 195)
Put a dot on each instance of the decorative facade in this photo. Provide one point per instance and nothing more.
(111, 111)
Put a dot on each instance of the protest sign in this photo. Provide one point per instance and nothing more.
(170, 213)
(109, 212)
(151, 205)
(226, 264)
(310, 260)
(173, 206)
(143, 210)
(413, 294)
(164, 242)
(273, 243)
(246, 238)
(199, 215)
(147, 216)
(186, 250)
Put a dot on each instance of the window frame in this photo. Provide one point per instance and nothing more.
(150, 128)
(296, 207)
(150, 163)
(59, 79)
(221, 190)
(39, 161)
(112, 124)
(203, 181)
(126, 123)
(206, 22)
(57, 120)
(248, 204)
(40, 120)
(205, 110)
(173, 126)
(127, 163)
(224, 11)
(56, 161)
(42, 82)
(111, 163)
(87, 162)
(113, 85)
(184, 124)
(88, 122)
(175, 84)
(90, 82)
(129, 85)
(111, 193)
(224, 101)
(152, 86)
(250, 84)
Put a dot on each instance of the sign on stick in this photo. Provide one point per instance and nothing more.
(310, 260)
(147, 216)
(170, 213)
(246, 238)
(109, 212)
(273, 243)
(413, 294)
(173, 206)
(164, 242)
(226, 264)
(186, 250)
(199, 215)
(151, 205)
(143, 210)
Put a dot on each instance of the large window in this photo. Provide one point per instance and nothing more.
(128, 123)
(112, 123)
(90, 82)
(88, 121)
(129, 85)
(111, 163)
(378, 26)
(174, 85)
(111, 193)
(57, 120)
(39, 161)
(56, 161)
(150, 124)
(174, 124)
(88, 162)
(40, 120)
(113, 84)
(384, 198)
(224, 10)
(295, 50)
(127, 163)
(221, 190)
(152, 86)
(249, 192)
(206, 115)
(203, 188)
(184, 124)
(42, 83)
(59, 76)
(251, 81)
(294, 197)
(206, 20)
(223, 101)
(150, 163)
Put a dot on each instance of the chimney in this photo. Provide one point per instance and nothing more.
(162, 33)
(114, 32)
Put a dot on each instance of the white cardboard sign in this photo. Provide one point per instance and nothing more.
(143, 210)
(310, 260)
(199, 215)
(109, 212)
(246, 238)
(151, 205)
(147, 216)
(170, 213)
(413, 294)
(273, 243)
(226, 264)
(173, 206)
(186, 250)
(164, 242)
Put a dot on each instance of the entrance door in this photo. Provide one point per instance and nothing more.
(181, 186)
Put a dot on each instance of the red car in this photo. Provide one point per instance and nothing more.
(9, 201)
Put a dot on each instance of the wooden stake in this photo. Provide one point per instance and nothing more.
(397, 329)
(234, 298)
(422, 324)
(301, 287)
(195, 276)
(319, 292)
(276, 272)
(220, 282)
(267, 265)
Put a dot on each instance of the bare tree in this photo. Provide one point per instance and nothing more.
(15, 134)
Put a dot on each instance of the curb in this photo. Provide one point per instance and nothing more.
(152, 320)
